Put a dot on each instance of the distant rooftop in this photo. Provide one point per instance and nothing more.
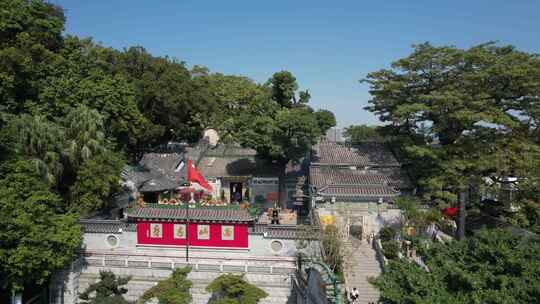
(361, 172)
(365, 154)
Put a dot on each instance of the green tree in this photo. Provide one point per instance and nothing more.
(362, 133)
(108, 290)
(333, 248)
(40, 141)
(84, 129)
(478, 104)
(413, 216)
(231, 100)
(325, 120)
(284, 87)
(96, 183)
(173, 290)
(164, 92)
(296, 131)
(494, 266)
(30, 33)
(233, 289)
(36, 238)
(43, 21)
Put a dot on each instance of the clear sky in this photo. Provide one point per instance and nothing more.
(327, 45)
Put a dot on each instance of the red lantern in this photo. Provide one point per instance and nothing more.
(450, 211)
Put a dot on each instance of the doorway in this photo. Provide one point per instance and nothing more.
(236, 192)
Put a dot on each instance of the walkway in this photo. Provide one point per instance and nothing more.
(361, 264)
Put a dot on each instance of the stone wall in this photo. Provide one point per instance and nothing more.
(371, 216)
(261, 264)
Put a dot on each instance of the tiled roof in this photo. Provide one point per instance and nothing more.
(359, 191)
(106, 226)
(366, 154)
(230, 150)
(156, 172)
(226, 166)
(321, 176)
(158, 184)
(196, 214)
(164, 163)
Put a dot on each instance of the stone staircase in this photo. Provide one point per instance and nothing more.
(360, 264)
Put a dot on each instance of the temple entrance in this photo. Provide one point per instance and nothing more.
(236, 192)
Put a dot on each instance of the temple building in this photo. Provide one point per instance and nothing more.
(240, 175)
(354, 185)
(205, 207)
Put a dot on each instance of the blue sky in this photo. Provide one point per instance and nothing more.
(327, 45)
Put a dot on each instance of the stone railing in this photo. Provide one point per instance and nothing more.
(286, 231)
(258, 265)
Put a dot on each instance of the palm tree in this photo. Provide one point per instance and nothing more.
(41, 141)
(84, 131)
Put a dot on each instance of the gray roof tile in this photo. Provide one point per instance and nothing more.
(365, 154)
(195, 214)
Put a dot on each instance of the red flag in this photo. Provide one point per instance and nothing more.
(195, 176)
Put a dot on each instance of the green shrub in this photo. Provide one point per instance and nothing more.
(233, 289)
(387, 234)
(390, 249)
(173, 290)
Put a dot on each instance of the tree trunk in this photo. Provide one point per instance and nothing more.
(460, 233)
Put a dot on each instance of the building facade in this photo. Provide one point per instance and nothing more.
(354, 185)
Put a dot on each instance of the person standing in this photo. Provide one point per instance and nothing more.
(354, 294)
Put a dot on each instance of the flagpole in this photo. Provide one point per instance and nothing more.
(187, 230)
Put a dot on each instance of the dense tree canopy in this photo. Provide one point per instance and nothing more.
(284, 87)
(467, 114)
(37, 237)
(491, 267)
(362, 133)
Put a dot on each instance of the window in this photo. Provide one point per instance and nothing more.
(112, 240)
(227, 233)
(203, 232)
(179, 231)
(276, 246)
(156, 230)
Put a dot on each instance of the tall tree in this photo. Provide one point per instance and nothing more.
(84, 129)
(325, 119)
(41, 141)
(284, 87)
(491, 267)
(474, 101)
(96, 184)
(37, 239)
